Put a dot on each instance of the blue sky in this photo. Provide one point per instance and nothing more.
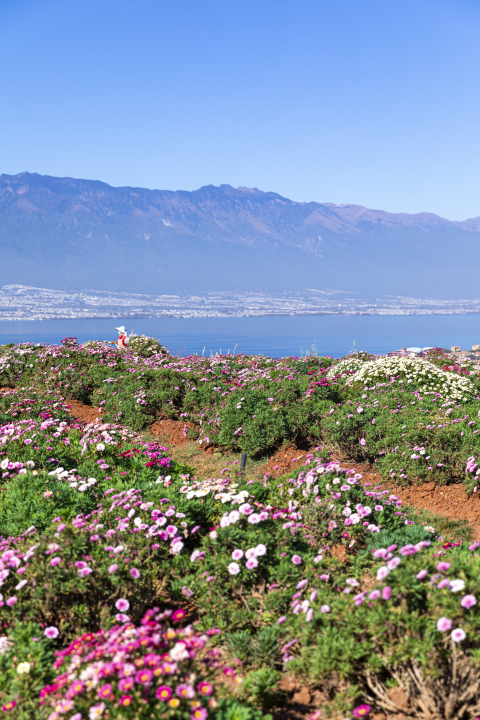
(375, 102)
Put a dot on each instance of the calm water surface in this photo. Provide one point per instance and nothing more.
(276, 336)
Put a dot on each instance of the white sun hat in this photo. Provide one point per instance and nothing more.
(121, 329)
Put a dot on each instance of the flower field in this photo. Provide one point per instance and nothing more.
(133, 588)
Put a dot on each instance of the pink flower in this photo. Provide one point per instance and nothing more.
(422, 574)
(199, 714)
(185, 691)
(374, 595)
(458, 635)
(386, 593)
(325, 609)
(122, 618)
(382, 572)
(363, 441)
(441, 566)
(11, 601)
(237, 554)
(126, 684)
(186, 591)
(444, 624)
(122, 604)
(251, 563)
(296, 559)
(83, 572)
(113, 568)
(105, 691)
(309, 615)
(54, 561)
(468, 601)
(51, 632)
(134, 573)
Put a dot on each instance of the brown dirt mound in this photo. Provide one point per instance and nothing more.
(87, 413)
(175, 430)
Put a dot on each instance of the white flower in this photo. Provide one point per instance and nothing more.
(179, 652)
(382, 572)
(23, 668)
(457, 585)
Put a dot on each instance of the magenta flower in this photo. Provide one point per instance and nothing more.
(204, 688)
(468, 601)
(144, 676)
(122, 604)
(163, 693)
(444, 624)
(134, 573)
(361, 711)
(178, 615)
(51, 632)
(296, 560)
(458, 635)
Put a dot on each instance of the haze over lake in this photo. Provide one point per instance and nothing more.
(272, 336)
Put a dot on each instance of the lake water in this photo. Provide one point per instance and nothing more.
(273, 336)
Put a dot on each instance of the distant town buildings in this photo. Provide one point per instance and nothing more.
(21, 302)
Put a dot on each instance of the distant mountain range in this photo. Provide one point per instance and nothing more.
(84, 234)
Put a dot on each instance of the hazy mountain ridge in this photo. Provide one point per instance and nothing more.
(63, 232)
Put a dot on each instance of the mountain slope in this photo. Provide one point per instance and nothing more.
(68, 233)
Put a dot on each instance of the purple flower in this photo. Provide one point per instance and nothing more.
(134, 573)
(296, 560)
(444, 624)
(468, 601)
(458, 635)
(51, 632)
(122, 604)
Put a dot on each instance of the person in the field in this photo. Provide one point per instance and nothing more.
(122, 338)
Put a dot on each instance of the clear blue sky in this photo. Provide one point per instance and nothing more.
(375, 102)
